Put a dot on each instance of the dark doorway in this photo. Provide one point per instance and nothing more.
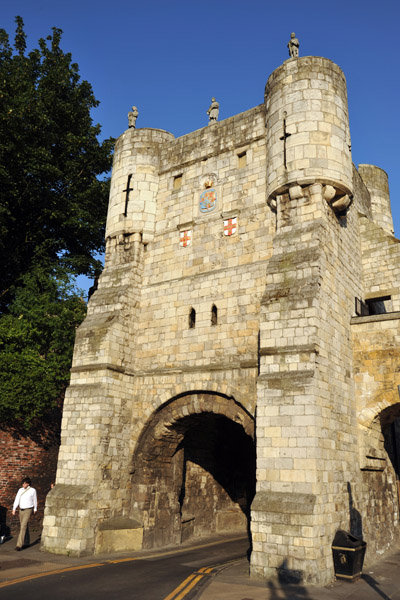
(194, 470)
(390, 423)
(218, 475)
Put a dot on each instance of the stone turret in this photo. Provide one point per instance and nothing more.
(134, 182)
(377, 184)
(308, 139)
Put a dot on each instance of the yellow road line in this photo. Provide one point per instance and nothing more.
(188, 584)
(55, 572)
(189, 587)
(120, 560)
(180, 586)
(209, 569)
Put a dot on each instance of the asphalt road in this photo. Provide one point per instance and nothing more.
(169, 575)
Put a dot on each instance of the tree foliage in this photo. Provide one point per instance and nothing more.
(36, 341)
(53, 204)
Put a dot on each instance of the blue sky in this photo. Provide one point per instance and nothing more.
(168, 57)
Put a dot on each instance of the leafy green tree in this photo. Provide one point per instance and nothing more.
(53, 202)
(36, 342)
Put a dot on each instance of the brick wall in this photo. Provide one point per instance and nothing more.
(32, 456)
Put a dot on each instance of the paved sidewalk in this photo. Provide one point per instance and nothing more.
(32, 562)
(380, 581)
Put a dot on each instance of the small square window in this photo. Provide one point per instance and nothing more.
(177, 182)
(379, 306)
(242, 160)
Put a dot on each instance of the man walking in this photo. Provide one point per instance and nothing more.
(26, 500)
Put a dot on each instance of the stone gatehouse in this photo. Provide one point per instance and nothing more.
(239, 365)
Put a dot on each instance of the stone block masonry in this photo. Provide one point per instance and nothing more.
(222, 379)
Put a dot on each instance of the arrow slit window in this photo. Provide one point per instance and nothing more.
(214, 315)
(192, 319)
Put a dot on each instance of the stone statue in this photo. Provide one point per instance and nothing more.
(132, 116)
(213, 111)
(293, 46)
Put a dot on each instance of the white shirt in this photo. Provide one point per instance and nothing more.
(26, 498)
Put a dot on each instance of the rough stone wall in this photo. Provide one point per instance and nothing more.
(376, 180)
(225, 271)
(306, 417)
(92, 470)
(362, 195)
(215, 269)
(376, 343)
(377, 502)
(135, 351)
(381, 262)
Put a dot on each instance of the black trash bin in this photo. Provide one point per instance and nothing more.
(348, 555)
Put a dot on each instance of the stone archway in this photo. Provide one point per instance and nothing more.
(376, 495)
(194, 469)
(389, 420)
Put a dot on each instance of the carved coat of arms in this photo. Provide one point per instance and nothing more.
(208, 199)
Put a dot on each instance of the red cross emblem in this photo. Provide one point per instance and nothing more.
(185, 238)
(230, 226)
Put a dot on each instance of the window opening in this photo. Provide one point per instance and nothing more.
(192, 318)
(177, 182)
(373, 306)
(214, 315)
(242, 160)
(379, 306)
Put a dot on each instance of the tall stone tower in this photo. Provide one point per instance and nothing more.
(305, 409)
(238, 366)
